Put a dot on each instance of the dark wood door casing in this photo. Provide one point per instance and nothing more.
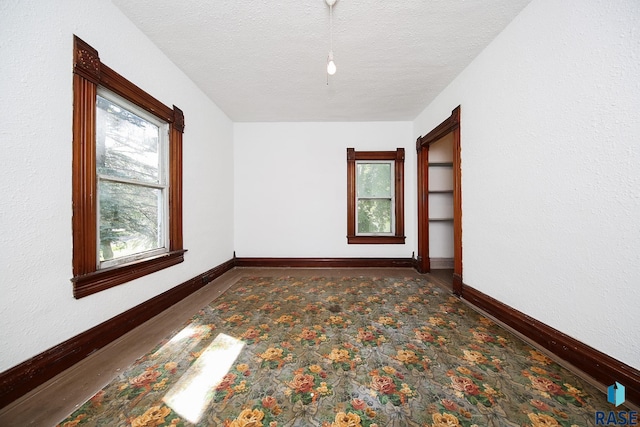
(449, 125)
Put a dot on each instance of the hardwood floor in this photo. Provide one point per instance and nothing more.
(444, 277)
(50, 403)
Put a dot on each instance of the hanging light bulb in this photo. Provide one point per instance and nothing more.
(331, 66)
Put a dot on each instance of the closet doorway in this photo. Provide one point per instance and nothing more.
(440, 199)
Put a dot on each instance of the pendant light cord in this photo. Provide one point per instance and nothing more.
(331, 28)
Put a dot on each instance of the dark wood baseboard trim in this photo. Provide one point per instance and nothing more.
(19, 380)
(325, 262)
(601, 367)
(457, 284)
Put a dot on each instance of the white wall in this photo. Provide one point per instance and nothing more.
(36, 40)
(291, 187)
(550, 169)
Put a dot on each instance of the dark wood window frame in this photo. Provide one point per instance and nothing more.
(88, 74)
(398, 236)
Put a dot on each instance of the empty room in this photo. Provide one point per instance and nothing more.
(320, 213)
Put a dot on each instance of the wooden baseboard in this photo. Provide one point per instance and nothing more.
(19, 380)
(325, 262)
(601, 367)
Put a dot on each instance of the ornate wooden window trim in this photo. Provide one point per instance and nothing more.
(89, 73)
(398, 156)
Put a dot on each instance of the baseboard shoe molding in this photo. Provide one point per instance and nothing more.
(599, 366)
(441, 263)
(19, 380)
(326, 262)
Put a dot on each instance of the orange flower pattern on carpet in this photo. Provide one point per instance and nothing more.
(348, 352)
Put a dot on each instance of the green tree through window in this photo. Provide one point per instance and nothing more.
(131, 170)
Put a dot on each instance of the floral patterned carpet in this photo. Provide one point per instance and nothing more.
(341, 352)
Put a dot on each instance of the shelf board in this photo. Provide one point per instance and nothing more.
(441, 164)
(440, 219)
(440, 191)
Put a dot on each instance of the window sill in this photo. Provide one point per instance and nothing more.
(375, 240)
(100, 280)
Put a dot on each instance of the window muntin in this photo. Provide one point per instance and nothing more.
(131, 147)
(375, 211)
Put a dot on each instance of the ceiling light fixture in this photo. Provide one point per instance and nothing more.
(331, 65)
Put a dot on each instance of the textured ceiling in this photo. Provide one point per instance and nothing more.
(264, 60)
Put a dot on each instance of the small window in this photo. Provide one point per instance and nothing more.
(127, 178)
(375, 190)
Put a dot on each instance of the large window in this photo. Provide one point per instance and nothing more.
(131, 148)
(375, 196)
(127, 178)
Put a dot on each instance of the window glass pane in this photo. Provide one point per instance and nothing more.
(127, 145)
(374, 216)
(130, 219)
(373, 179)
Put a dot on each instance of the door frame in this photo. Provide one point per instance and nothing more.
(449, 125)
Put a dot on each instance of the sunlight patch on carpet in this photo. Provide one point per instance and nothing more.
(189, 336)
(191, 395)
